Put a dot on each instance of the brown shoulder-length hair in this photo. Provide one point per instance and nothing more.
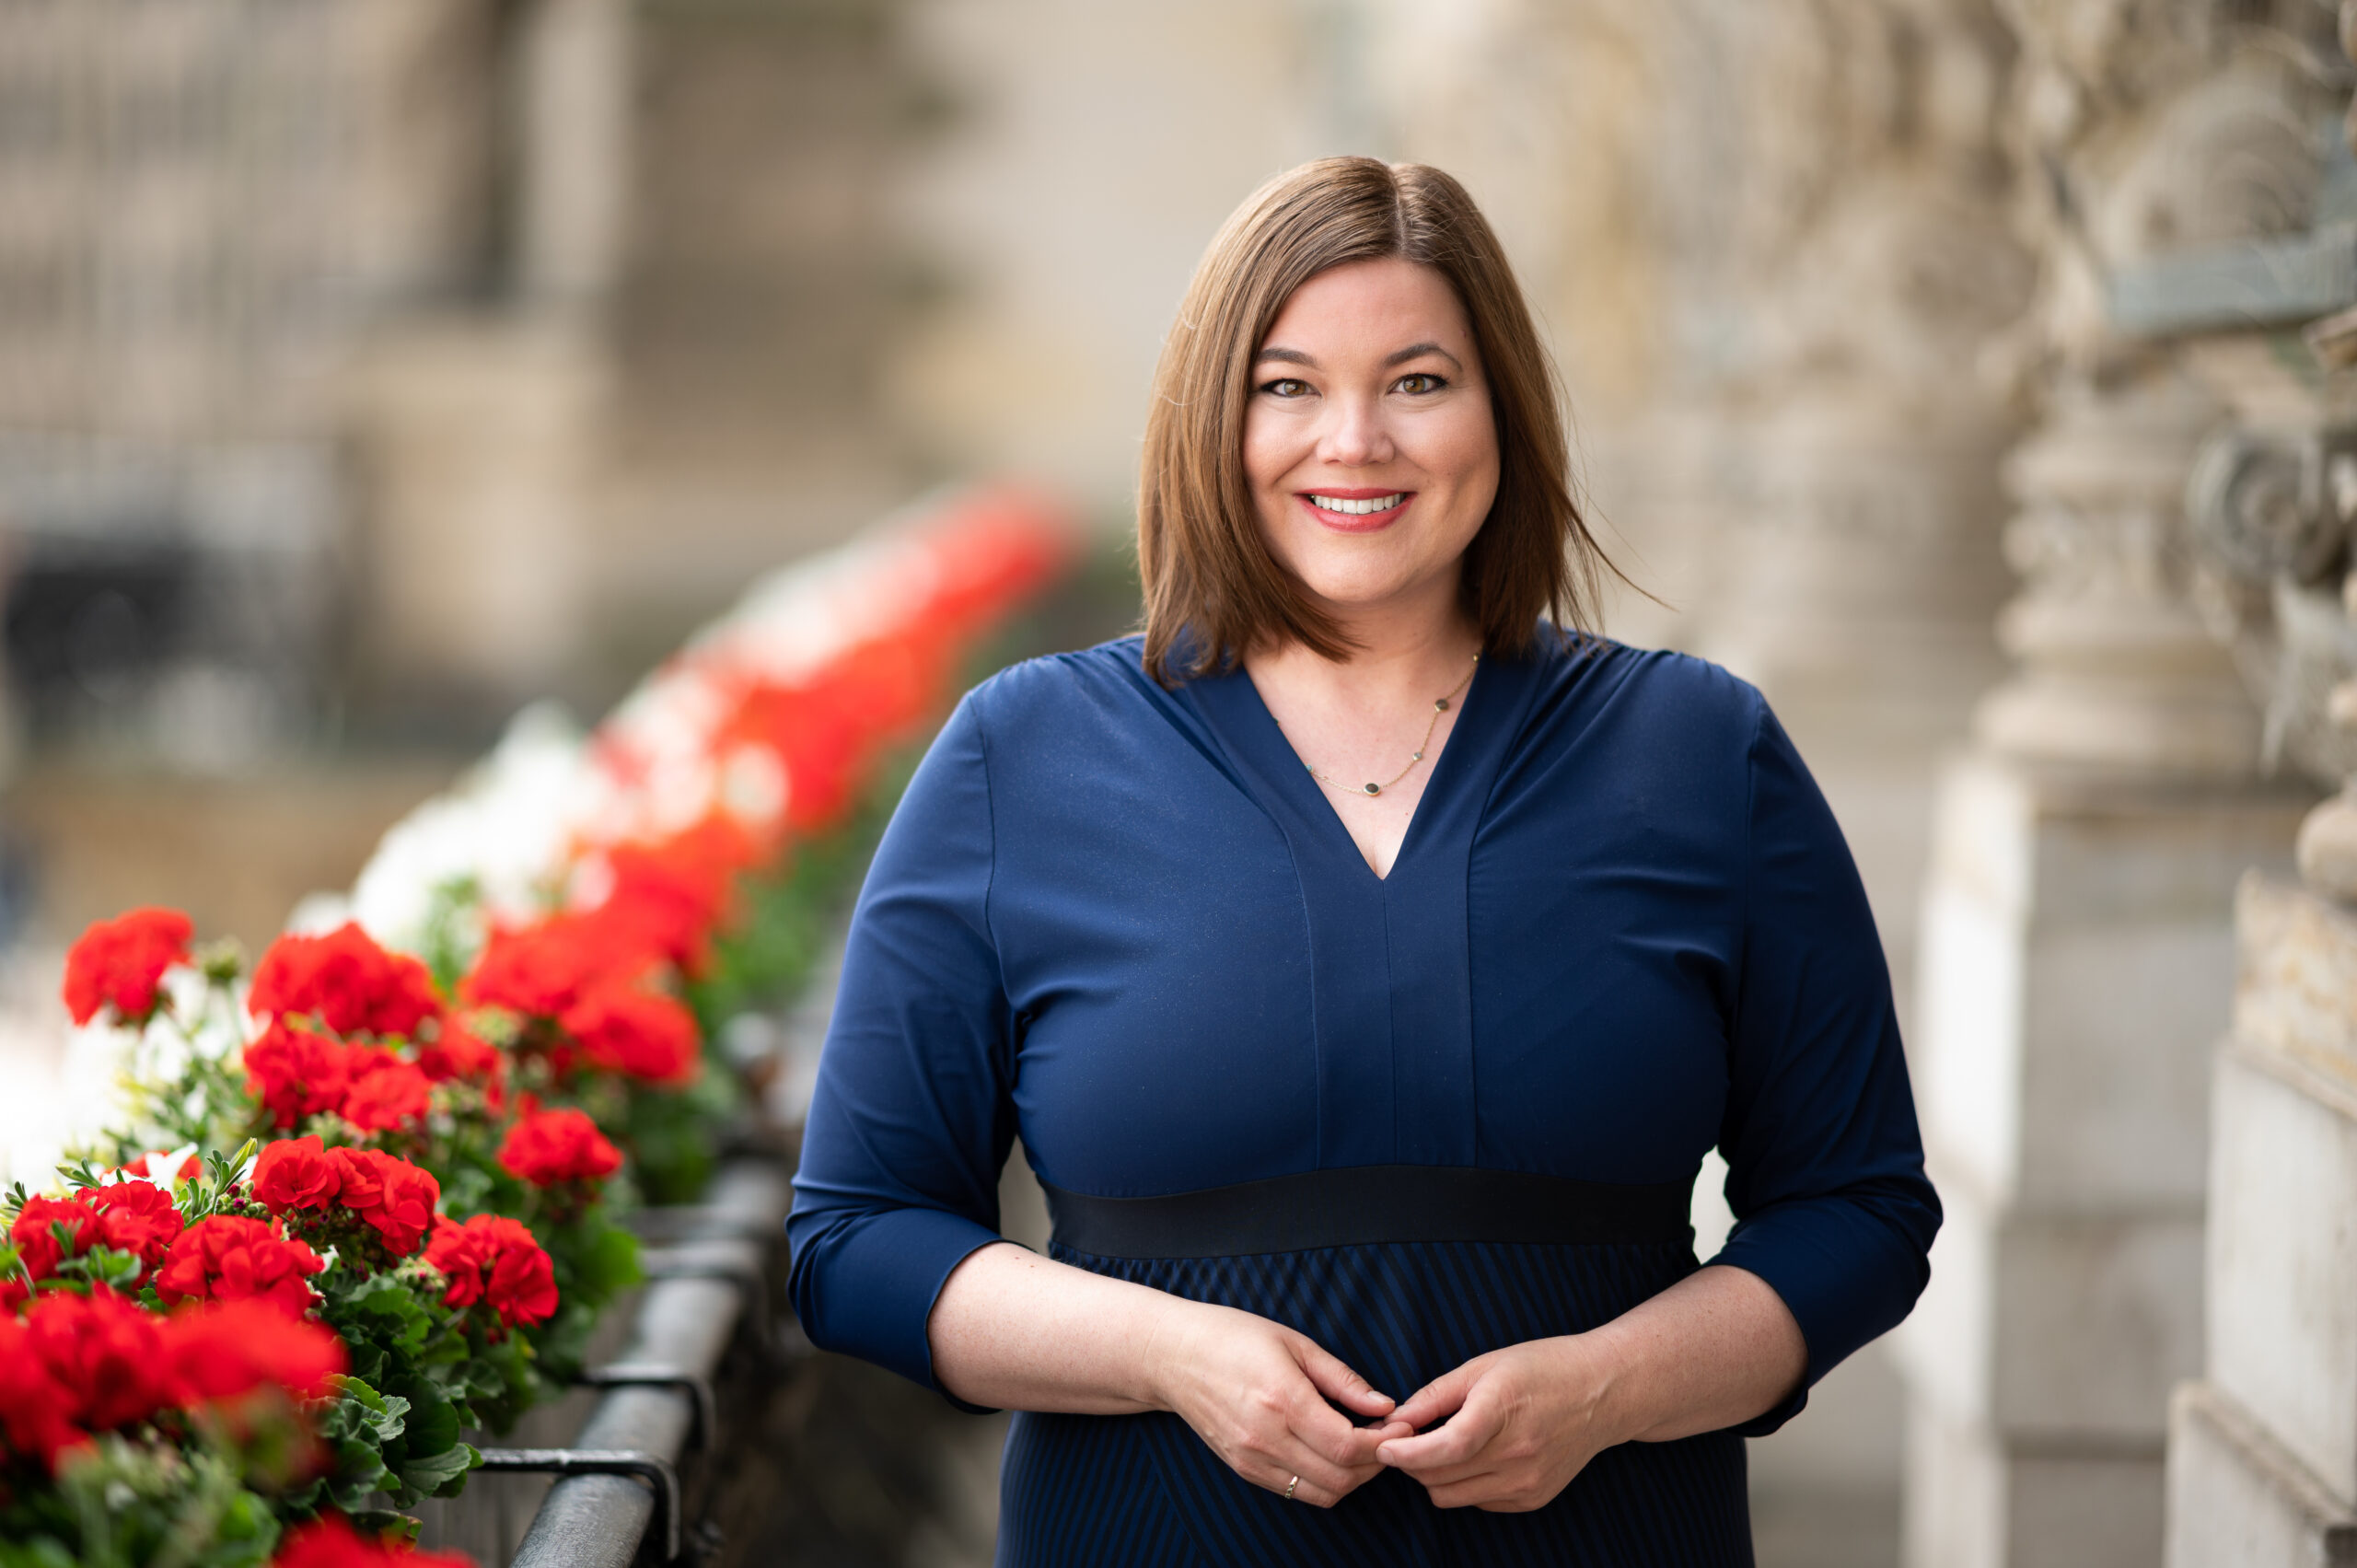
(1214, 587)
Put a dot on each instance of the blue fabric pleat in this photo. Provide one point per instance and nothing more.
(1147, 1490)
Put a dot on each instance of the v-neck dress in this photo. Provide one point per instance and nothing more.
(1123, 924)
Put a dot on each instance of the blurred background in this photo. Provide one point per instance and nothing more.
(369, 367)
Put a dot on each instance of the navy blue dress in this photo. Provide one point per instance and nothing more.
(1124, 923)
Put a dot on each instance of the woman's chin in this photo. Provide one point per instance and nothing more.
(1351, 595)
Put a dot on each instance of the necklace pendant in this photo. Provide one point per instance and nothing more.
(1374, 788)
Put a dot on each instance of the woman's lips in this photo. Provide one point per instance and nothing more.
(1356, 510)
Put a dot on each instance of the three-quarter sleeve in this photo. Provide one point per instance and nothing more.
(911, 1119)
(1824, 1161)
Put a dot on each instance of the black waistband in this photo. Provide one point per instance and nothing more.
(1367, 1205)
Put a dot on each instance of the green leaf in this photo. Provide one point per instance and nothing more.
(442, 1474)
(381, 1416)
(378, 1522)
(433, 1424)
(359, 1468)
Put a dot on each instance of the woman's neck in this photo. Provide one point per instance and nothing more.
(1399, 665)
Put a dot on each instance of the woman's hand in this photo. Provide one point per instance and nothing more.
(1256, 1392)
(1718, 1348)
(1518, 1424)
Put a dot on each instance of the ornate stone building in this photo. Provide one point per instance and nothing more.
(424, 355)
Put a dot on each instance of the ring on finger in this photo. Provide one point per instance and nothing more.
(1289, 1486)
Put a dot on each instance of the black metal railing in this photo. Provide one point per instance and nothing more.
(635, 1485)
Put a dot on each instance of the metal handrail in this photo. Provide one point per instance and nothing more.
(658, 1400)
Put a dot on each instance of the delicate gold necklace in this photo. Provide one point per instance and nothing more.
(1440, 706)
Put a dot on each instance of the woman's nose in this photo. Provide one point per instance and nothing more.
(1356, 437)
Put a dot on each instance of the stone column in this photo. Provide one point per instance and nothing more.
(2076, 941)
(1871, 266)
(1869, 262)
(2262, 1459)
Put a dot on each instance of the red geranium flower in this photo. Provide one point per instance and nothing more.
(346, 982)
(327, 1543)
(228, 1258)
(222, 1350)
(395, 1197)
(459, 1053)
(543, 968)
(387, 1093)
(668, 896)
(550, 1147)
(295, 1173)
(108, 1353)
(819, 738)
(119, 962)
(646, 1036)
(137, 1216)
(33, 1403)
(37, 1240)
(297, 1073)
(494, 1261)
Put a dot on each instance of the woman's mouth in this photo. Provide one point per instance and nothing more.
(1356, 511)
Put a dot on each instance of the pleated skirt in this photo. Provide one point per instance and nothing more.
(1144, 1490)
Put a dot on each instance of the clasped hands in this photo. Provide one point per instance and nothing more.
(1507, 1430)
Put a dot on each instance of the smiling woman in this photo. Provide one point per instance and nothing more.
(1366, 965)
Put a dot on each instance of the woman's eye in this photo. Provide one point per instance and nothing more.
(1286, 386)
(1418, 383)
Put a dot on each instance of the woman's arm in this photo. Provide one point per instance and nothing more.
(1716, 1349)
(1013, 1328)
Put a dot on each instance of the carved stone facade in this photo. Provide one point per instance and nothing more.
(2078, 947)
(2263, 1445)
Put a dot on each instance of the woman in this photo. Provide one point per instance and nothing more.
(1365, 966)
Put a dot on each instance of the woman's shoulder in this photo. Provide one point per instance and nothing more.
(1655, 694)
(1084, 687)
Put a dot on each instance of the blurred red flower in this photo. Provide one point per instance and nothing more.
(346, 982)
(543, 968)
(668, 896)
(646, 1036)
(329, 1542)
(459, 1053)
(387, 1093)
(36, 1231)
(220, 1352)
(118, 963)
(228, 1258)
(549, 1146)
(395, 1197)
(297, 1073)
(77, 1364)
(819, 738)
(107, 1353)
(494, 1261)
(33, 1402)
(137, 1216)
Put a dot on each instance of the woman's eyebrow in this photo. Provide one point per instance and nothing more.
(1415, 350)
(1398, 356)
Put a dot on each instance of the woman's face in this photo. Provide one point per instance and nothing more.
(1368, 441)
